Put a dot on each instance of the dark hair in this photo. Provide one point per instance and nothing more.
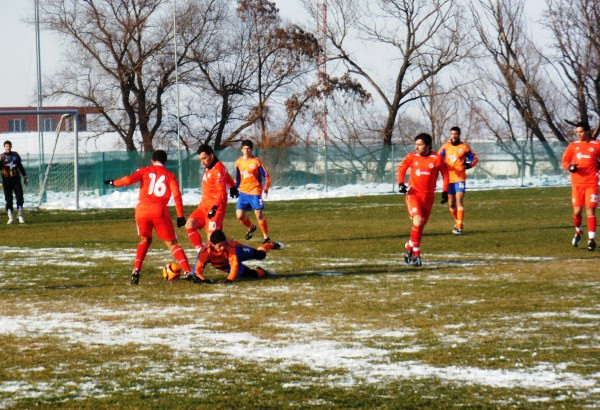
(7, 142)
(160, 156)
(207, 149)
(457, 129)
(425, 137)
(248, 143)
(217, 236)
(582, 124)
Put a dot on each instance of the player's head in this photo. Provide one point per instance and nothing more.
(159, 156)
(582, 130)
(206, 155)
(7, 146)
(423, 144)
(455, 134)
(218, 239)
(247, 147)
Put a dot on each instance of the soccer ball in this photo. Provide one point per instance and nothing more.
(171, 271)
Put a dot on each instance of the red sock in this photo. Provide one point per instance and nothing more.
(460, 217)
(416, 234)
(454, 213)
(577, 223)
(195, 238)
(246, 221)
(264, 228)
(179, 255)
(591, 222)
(140, 254)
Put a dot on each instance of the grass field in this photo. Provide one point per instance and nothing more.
(505, 316)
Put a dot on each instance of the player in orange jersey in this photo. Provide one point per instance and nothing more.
(151, 212)
(213, 205)
(252, 180)
(227, 255)
(582, 158)
(458, 157)
(425, 166)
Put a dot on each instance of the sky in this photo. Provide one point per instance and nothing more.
(18, 70)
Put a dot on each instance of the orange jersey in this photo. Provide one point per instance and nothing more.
(220, 260)
(584, 154)
(214, 186)
(423, 171)
(158, 184)
(455, 157)
(251, 175)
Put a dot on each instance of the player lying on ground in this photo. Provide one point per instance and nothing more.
(227, 255)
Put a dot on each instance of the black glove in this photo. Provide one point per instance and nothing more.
(212, 211)
(573, 168)
(109, 182)
(181, 221)
(233, 192)
(468, 165)
(205, 281)
(402, 188)
(444, 197)
(25, 180)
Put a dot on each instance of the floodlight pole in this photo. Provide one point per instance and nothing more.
(179, 165)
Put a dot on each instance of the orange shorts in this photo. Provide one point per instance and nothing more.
(420, 203)
(163, 225)
(584, 196)
(200, 214)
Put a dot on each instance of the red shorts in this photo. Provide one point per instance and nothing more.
(212, 224)
(163, 225)
(420, 203)
(584, 195)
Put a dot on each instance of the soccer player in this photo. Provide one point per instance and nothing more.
(157, 186)
(12, 169)
(227, 255)
(424, 165)
(458, 157)
(252, 180)
(213, 205)
(582, 158)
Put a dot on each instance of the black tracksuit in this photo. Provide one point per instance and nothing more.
(12, 168)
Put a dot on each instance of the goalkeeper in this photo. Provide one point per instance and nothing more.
(227, 255)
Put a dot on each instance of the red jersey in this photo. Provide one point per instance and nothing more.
(455, 157)
(158, 184)
(220, 260)
(251, 175)
(584, 154)
(214, 186)
(423, 171)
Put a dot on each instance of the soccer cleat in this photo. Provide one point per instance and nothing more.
(250, 232)
(278, 246)
(407, 254)
(591, 245)
(10, 217)
(416, 261)
(576, 240)
(457, 231)
(267, 240)
(135, 277)
(21, 219)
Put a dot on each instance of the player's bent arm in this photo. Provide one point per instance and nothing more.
(177, 197)
(567, 158)
(234, 267)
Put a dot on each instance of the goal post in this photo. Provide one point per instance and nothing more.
(15, 121)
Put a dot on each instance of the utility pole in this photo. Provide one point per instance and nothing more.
(322, 78)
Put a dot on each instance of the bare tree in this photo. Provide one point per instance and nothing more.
(122, 58)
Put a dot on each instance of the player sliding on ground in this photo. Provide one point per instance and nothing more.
(582, 158)
(424, 166)
(151, 212)
(227, 255)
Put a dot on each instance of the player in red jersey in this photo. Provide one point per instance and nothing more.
(151, 212)
(227, 255)
(582, 159)
(213, 205)
(424, 165)
(252, 180)
(458, 157)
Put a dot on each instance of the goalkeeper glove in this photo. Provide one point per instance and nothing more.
(402, 188)
(233, 192)
(444, 197)
(468, 165)
(212, 211)
(109, 182)
(180, 221)
(25, 180)
(572, 168)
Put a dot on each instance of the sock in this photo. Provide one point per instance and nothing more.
(266, 247)
(460, 217)
(195, 238)
(140, 254)
(591, 222)
(246, 221)
(454, 213)
(179, 255)
(577, 223)
(264, 228)
(416, 234)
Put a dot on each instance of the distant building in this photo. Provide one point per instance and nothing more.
(14, 123)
